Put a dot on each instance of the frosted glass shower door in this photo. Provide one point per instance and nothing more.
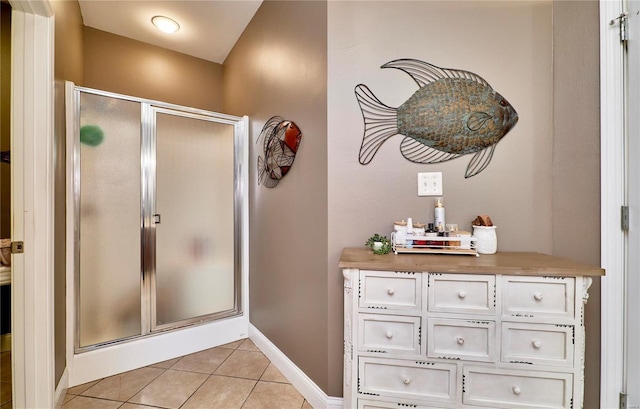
(108, 208)
(193, 219)
(159, 212)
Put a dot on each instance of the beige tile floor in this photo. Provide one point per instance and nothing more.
(232, 376)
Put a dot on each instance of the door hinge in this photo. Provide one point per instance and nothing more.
(623, 20)
(623, 401)
(624, 218)
(17, 247)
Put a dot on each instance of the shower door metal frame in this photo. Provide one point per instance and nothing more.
(149, 109)
(149, 139)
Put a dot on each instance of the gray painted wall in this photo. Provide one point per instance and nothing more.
(576, 158)
(509, 44)
(278, 67)
(535, 189)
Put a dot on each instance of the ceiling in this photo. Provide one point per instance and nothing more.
(208, 28)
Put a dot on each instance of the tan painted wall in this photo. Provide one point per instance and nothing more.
(576, 158)
(69, 41)
(68, 67)
(279, 68)
(118, 64)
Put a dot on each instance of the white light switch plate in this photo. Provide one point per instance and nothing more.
(430, 184)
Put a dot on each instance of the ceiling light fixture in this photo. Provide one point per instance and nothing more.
(165, 24)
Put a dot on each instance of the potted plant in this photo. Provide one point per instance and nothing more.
(379, 244)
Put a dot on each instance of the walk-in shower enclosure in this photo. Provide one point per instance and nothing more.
(157, 220)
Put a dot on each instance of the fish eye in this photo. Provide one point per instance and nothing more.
(503, 102)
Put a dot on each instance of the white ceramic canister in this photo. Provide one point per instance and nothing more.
(400, 227)
(487, 240)
(400, 230)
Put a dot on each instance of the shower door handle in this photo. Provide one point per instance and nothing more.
(156, 219)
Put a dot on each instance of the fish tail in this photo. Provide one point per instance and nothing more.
(261, 170)
(380, 123)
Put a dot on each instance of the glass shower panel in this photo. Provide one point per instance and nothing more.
(195, 252)
(109, 303)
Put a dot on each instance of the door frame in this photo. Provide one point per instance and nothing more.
(612, 198)
(32, 105)
(32, 206)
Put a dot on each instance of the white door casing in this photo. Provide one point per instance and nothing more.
(613, 197)
(32, 40)
(632, 89)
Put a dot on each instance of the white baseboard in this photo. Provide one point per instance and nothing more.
(61, 389)
(311, 392)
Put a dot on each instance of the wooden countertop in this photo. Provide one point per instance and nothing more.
(513, 263)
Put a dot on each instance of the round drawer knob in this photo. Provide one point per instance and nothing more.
(406, 380)
(390, 291)
(461, 294)
(538, 296)
(460, 340)
(536, 344)
(389, 334)
(516, 390)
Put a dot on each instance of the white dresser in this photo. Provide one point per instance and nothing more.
(432, 331)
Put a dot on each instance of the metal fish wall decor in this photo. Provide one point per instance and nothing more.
(453, 113)
(280, 143)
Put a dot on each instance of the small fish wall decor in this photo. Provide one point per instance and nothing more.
(280, 143)
(453, 113)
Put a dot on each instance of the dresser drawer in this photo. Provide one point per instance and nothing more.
(389, 334)
(498, 388)
(542, 344)
(462, 293)
(534, 297)
(390, 290)
(371, 404)
(419, 380)
(460, 339)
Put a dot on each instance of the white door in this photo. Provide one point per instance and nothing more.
(632, 89)
(621, 315)
(617, 370)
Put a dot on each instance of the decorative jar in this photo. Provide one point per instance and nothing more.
(486, 239)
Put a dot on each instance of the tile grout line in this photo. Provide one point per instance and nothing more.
(208, 377)
(120, 380)
(244, 402)
(194, 392)
(258, 381)
(148, 383)
(254, 385)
